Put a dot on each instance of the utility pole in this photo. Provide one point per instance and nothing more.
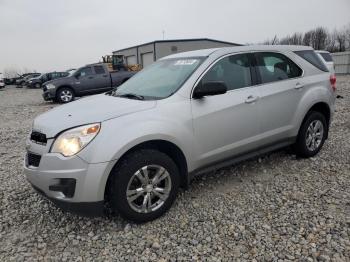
(163, 32)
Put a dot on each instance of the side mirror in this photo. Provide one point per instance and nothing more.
(209, 89)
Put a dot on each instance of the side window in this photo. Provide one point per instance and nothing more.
(233, 70)
(99, 70)
(85, 71)
(275, 67)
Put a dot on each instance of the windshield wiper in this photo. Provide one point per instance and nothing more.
(132, 96)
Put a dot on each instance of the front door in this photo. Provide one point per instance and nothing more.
(102, 79)
(227, 125)
(85, 80)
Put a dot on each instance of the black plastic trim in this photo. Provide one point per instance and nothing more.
(242, 157)
(87, 209)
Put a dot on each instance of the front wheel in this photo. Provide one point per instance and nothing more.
(144, 185)
(65, 95)
(312, 134)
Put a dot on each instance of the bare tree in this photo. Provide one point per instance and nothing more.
(319, 38)
(341, 40)
(11, 72)
(273, 41)
(307, 38)
(332, 42)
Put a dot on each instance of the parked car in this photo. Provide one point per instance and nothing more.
(87, 80)
(37, 82)
(184, 115)
(21, 82)
(326, 57)
(71, 71)
(2, 82)
(11, 81)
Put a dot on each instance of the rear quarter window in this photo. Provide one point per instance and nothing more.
(312, 58)
(327, 57)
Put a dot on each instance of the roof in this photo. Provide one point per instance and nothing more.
(207, 52)
(179, 40)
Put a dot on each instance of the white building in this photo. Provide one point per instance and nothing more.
(147, 53)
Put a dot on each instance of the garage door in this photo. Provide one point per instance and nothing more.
(131, 60)
(147, 59)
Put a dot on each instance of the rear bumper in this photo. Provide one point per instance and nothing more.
(88, 209)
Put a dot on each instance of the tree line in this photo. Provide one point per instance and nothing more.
(319, 38)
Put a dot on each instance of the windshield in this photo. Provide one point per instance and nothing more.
(159, 80)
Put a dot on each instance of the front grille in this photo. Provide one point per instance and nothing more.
(38, 137)
(33, 159)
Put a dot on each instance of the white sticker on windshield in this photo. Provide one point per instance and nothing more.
(185, 62)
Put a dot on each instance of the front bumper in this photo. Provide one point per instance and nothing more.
(88, 209)
(86, 195)
(49, 94)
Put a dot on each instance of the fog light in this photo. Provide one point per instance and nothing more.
(64, 185)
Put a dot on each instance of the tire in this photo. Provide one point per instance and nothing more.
(37, 85)
(312, 134)
(65, 95)
(128, 175)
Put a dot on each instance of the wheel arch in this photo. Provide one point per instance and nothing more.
(321, 107)
(64, 86)
(166, 147)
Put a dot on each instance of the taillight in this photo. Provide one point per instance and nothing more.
(333, 80)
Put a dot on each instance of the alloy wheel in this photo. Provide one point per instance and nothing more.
(66, 95)
(314, 135)
(148, 188)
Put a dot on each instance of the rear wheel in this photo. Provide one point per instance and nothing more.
(65, 95)
(312, 134)
(144, 185)
(37, 85)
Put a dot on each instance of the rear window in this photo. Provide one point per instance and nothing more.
(99, 69)
(312, 58)
(327, 57)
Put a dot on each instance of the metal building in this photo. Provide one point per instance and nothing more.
(147, 53)
(342, 62)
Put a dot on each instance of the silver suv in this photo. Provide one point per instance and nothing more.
(186, 114)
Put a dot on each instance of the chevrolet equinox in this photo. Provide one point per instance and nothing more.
(186, 114)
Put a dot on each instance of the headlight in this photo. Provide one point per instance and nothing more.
(30, 81)
(50, 86)
(72, 141)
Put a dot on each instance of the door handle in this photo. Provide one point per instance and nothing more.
(251, 99)
(298, 86)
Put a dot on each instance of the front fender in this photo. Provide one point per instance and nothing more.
(117, 136)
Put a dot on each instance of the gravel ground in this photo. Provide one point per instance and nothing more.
(275, 208)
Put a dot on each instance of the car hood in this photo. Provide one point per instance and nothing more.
(68, 80)
(88, 110)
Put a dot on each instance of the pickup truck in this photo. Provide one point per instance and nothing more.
(87, 80)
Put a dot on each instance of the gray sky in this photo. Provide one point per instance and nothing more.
(57, 35)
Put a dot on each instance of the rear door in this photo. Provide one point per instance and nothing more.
(228, 124)
(280, 92)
